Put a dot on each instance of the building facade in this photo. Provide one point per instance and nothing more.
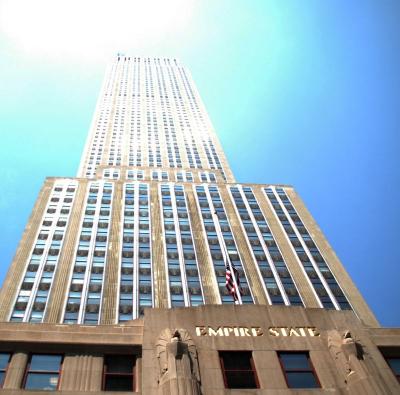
(120, 279)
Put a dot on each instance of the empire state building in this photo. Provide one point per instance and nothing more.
(120, 281)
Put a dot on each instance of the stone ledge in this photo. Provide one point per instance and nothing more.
(126, 334)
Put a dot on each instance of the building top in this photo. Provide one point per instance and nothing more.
(150, 114)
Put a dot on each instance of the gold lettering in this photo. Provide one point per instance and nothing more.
(292, 332)
(247, 331)
(273, 332)
(256, 331)
(201, 331)
(312, 330)
(302, 331)
(217, 332)
(228, 330)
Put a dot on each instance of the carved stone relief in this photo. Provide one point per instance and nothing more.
(178, 363)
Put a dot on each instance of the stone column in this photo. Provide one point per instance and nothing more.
(82, 373)
(16, 371)
(109, 307)
(157, 250)
(206, 268)
(138, 374)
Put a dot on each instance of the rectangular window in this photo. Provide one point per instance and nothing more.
(238, 369)
(394, 363)
(119, 373)
(4, 360)
(392, 356)
(298, 370)
(43, 372)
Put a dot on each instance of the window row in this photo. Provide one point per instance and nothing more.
(229, 271)
(43, 372)
(320, 276)
(279, 285)
(239, 370)
(159, 175)
(86, 282)
(135, 277)
(34, 290)
(185, 287)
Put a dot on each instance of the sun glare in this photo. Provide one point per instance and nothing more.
(91, 27)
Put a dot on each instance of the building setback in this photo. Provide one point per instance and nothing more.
(154, 271)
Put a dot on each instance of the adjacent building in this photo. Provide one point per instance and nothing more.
(154, 271)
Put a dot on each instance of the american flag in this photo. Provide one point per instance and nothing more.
(229, 281)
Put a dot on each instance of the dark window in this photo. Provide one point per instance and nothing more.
(119, 373)
(298, 370)
(4, 360)
(43, 372)
(392, 356)
(238, 369)
(394, 364)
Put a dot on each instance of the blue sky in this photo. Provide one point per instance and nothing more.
(300, 92)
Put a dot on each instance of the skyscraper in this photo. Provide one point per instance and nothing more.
(155, 219)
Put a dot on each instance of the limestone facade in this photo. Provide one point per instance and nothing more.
(288, 263)
(177, 350)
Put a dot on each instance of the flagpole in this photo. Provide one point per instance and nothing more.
(225, 254)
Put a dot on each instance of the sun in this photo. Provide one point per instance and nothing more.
(90, 27)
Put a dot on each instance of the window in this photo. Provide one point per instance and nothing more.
(238, 369)
(298, 370)
(119, 373)
(43, 372)
(392, 356)
(4, 360)
(394, 364)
